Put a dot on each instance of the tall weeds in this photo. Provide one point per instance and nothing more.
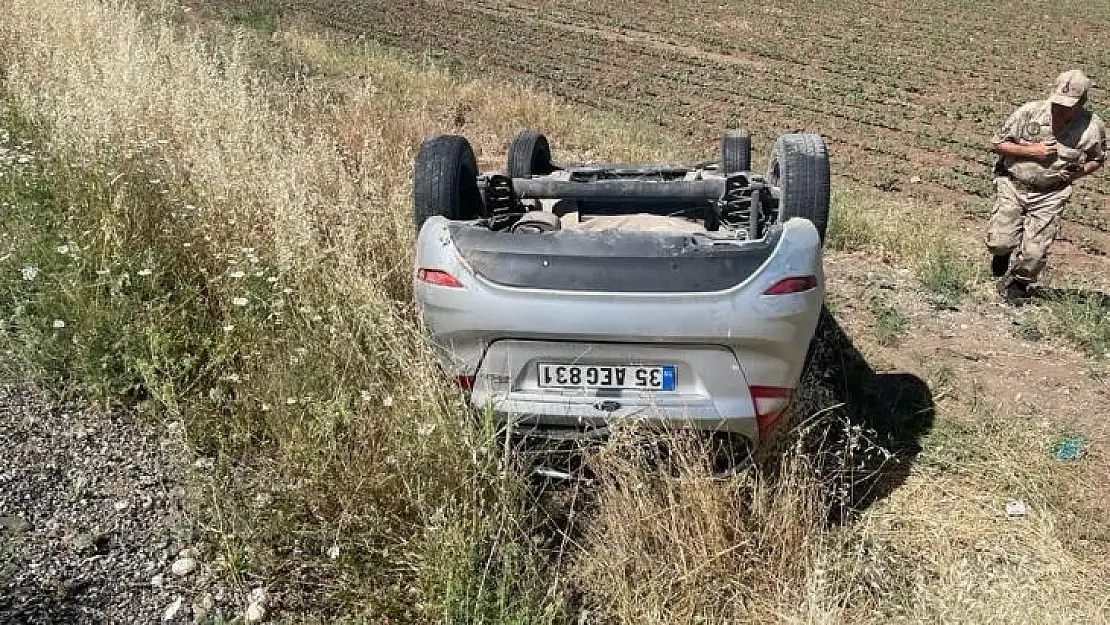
(247, 269)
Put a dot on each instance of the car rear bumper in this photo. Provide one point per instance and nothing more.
(724, 343)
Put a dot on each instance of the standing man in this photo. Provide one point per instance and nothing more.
(1043, 148)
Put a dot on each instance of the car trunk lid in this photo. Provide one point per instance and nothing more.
(612, 260)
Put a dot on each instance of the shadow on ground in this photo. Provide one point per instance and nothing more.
(30, 605)
(862, 427)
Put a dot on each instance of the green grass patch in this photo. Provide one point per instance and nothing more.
(903, 234)
(97, 296)
(889, 323)
(852, 227)
(260, 15)
(945, 275)
(1082, 317)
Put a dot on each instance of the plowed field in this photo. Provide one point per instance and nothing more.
(907, 93)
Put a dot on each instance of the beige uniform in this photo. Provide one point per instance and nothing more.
(1032, 194)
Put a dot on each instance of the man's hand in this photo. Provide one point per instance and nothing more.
(1041, 151)
(1036, 151)
(1071, 175)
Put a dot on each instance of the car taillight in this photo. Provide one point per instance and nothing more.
(770, 402)
(438, 278)
(792, 285)
(466, 382)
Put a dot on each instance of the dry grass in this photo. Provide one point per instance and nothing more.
(311, 384)
(288, 192)
(676, 546)
(908, 234)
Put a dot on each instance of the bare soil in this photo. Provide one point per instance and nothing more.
(907, 95)
(976, 354)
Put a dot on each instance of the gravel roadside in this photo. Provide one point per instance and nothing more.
(92, 521)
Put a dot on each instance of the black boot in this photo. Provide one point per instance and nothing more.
(1000, 264)
(1017, 293)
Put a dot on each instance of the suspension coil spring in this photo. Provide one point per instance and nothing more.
(500, 197)
(736, 203)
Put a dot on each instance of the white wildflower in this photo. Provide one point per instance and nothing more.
(63, 249)
(102, 272)
(229, 328)
(290, 401)
(145, 272)
(236, 274)
(58, 323)
(30, 273)
(271, 279)
(240, 301)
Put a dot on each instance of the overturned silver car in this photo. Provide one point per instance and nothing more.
(566, 298)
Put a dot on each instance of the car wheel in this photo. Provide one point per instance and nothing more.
(736, 151)
(799, 168)
(445, 180)
(529, 155)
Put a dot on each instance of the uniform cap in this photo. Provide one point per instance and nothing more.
(1070, 88)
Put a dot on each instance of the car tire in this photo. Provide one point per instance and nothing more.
(736, 151)
(445, 180)
(529, 155)
(799, 168)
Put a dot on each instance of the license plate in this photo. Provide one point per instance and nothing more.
(648, 378)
